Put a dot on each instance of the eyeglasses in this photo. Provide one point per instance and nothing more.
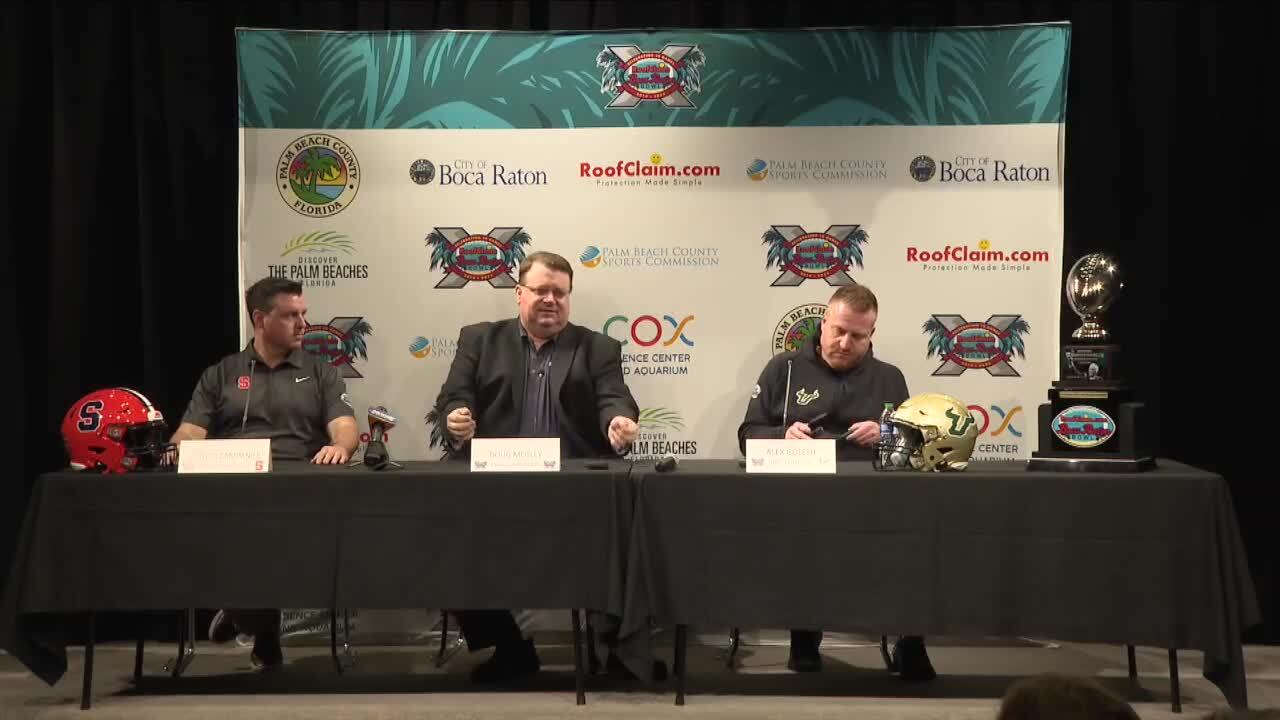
(554, 292)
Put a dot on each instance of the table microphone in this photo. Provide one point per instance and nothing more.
(667, 464)
(375, 452)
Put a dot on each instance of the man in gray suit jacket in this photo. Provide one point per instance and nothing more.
(535, 375)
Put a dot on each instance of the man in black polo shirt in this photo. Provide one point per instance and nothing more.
(272, 389)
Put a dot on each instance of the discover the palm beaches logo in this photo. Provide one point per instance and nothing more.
(964, 345)
(466, 258)
(983, 258)
(802, 255)
(967, 169)
(633, 76)
(341, 341)
(474, 173)
(433, 348)
(667, 257)
(661, 435)
(318, 175)
(315, 259)
(651, 346)
(999, 430)
(797, 326)
(816, 171)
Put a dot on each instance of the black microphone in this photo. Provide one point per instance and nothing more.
(375, 452)
(666, 464)
(248, 395)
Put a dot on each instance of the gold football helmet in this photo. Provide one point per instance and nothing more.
(932, 432)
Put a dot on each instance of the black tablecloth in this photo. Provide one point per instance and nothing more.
(1147, 558)
(430, 535)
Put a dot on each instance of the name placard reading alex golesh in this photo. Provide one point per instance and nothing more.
(791, 456)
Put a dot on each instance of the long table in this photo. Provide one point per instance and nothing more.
(1147, 558)
(1151, 558)
(429, 535)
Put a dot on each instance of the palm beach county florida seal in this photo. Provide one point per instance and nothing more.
(318, 175)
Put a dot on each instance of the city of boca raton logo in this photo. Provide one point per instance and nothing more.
(802, 255)
(318, 175)
(341, 341)
(466, 258)
(633, 76)
(964, 345)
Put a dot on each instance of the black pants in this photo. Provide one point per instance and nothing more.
(487, 628)
(263, 624)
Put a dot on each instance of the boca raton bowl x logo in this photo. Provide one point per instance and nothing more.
(804, 255)
(341, 341)
(467, 258)
(964, 345)
(633, 76)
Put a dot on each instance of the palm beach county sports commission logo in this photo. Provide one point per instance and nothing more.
(802, 255)
(964, 345)
(318, 175)
(633, 76)
(797, 326)
(666, 257)
(424, 348)
(817, 171)
(341, 341)
(315, 259)
(661, 434)
(466, 257)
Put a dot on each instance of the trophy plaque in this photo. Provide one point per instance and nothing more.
(1092, 423)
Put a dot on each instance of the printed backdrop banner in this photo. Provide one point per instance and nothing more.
(712, 189)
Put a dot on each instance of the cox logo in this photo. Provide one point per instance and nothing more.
(998, 421)
(647, 330)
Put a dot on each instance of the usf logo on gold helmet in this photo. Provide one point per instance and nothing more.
(938, 431)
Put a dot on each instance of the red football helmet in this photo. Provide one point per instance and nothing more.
(115, 430)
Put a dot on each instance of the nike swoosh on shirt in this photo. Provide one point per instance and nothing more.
(298, 380)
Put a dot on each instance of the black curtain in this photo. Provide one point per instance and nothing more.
(120, 153)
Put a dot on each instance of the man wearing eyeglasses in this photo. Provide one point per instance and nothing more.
(534, 375)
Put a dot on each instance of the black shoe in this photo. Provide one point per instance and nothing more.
(804, 658)
(511, 660)
(911, 660)
(222, 630)
(614, 666)
(266, 654)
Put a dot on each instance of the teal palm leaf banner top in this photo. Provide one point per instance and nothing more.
(673, 78)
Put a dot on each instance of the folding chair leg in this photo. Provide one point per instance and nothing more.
(735, 639)
(681, 649)
(593, 658)
(577, 658)
(186, 645)
(1133, 663)
(333, 640)
(137, 661)
(1174, 686)
(884, 653)
(86, 693)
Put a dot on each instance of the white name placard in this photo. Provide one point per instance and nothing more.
(791, 456)
(225, 456)
(515, 454)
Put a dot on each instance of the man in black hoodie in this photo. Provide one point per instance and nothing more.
(833, 387)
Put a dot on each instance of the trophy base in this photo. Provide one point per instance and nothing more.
(1060, 462)
(1095, 430)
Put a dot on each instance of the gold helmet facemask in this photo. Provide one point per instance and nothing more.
(932, 432)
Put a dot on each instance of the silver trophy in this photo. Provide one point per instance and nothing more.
(1093, 285)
